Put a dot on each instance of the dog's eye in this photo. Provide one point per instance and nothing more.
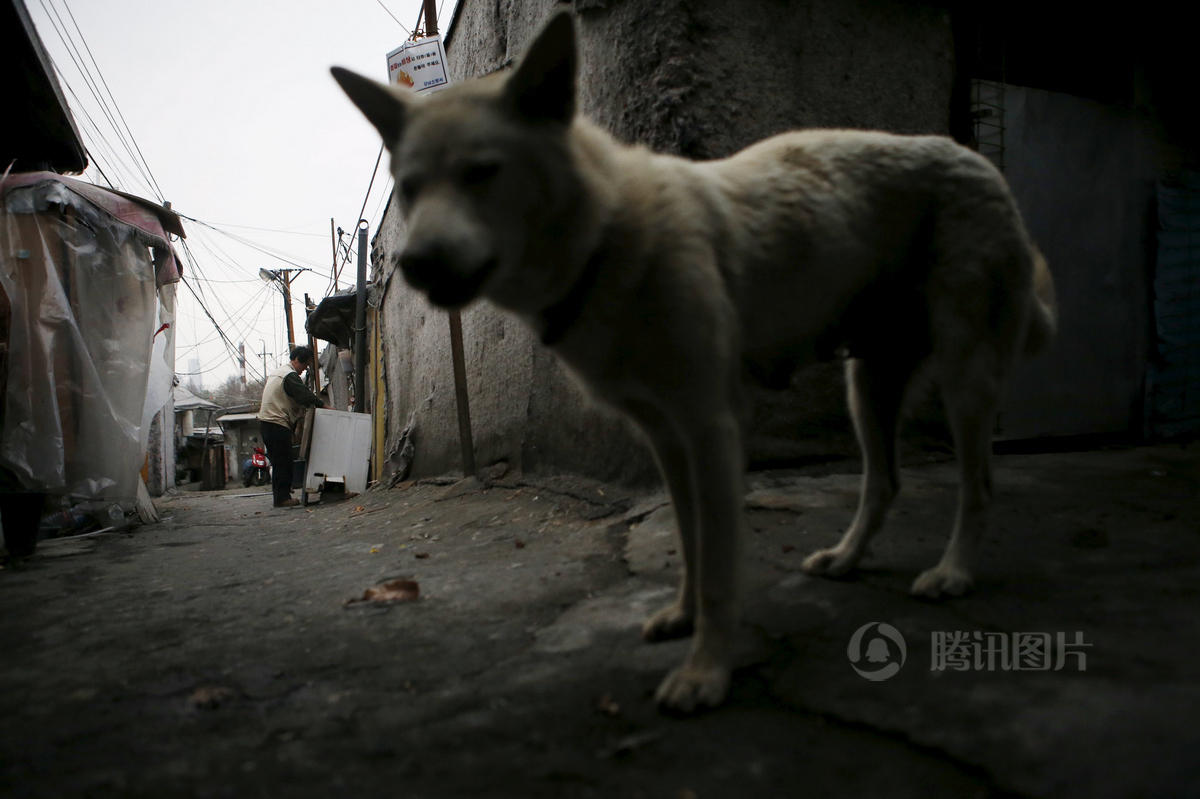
(480, 172)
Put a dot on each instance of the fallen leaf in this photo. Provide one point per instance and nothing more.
(519, 544)
(399, 590)
(208, 697)
(420, 555)
(788, 548)
(359, 510)
(608, 706)
(374, 550)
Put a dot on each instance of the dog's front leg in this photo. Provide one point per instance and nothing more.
(674, 462)
(713, 491)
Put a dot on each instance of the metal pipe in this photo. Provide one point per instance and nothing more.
(360, 323)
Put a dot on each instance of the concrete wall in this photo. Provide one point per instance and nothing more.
(701, 79)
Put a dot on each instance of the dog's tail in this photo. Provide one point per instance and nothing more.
(1043, 321)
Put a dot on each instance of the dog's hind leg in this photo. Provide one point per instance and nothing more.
(971, 397)
(875, 391)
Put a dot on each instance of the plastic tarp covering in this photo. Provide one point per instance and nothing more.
(333, 320)
(80, 282)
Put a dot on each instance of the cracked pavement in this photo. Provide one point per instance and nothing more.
(218, 652)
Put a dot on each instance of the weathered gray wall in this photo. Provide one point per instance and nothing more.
(701, 79)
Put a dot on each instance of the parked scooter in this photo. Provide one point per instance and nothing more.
(257, 470)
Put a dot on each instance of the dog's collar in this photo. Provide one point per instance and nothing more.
(559, 317)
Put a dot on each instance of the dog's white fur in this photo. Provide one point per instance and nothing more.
(662, 282)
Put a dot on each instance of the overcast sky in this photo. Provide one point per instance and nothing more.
(232, 106)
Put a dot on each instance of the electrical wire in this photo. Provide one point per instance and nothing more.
(276, 254)
(116, 107)
(229, 345)
(77, 58)
(124, 165)
(268, 229)
(366, 197)
(112, 156)
(407, 32)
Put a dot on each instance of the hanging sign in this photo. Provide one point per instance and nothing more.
(419, 65)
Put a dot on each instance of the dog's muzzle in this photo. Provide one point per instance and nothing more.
(448, 279)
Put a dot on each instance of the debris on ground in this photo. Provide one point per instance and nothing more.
(399, 590)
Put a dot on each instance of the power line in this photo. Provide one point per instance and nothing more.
(269, 229)
(366, 197)
(92, 153)
(132, 138)
(393, 16)
(232, 349)
(77, 58)
(383, 198)
(256, 246)
(211, 280)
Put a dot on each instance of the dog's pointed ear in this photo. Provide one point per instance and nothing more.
(543, 86)
(385, 109)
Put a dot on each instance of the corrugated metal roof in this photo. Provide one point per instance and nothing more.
(185, 400)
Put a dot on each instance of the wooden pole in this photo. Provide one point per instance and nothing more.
(431, 22)
(334, 242)
(264, 359)
(286, 275)
(315, 371)
(460, 394)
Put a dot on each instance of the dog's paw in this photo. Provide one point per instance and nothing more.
(692, 687)
(942, 581)
(833, 562)
(668, 624)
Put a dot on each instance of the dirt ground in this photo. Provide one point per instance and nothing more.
(219, 652)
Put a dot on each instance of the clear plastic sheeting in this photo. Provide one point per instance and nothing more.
(79, 285)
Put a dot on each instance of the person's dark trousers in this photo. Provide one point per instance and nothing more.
(279, 449)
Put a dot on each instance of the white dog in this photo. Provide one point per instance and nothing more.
(658, 281)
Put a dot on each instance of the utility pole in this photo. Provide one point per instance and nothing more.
(334, 241)
(431, 22)
(242, 360)
(284, 278)
(315, 372)
(287, 307)
(264, 358)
